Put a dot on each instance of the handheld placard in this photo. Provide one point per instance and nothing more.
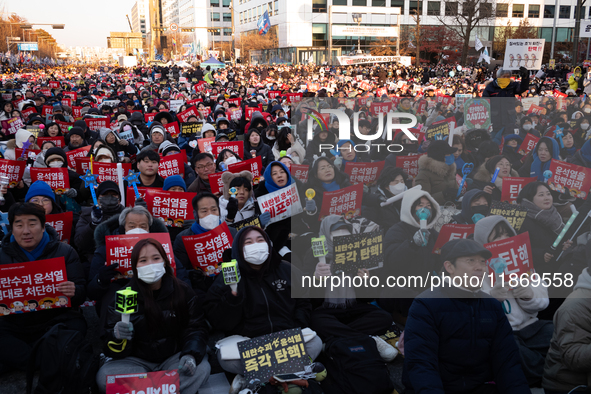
(319, 248)
(132, 179)
(126, 303)
(90, 182)
(466, 170)
(231, 274)
(120, 182)
(547, 175)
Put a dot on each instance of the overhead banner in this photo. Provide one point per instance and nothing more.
(526, 53)
(350, 60)
(365, 31)
(585, 29)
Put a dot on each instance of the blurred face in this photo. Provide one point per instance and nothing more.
(75, 140)
(459, 151)
(513, 143)
(543, 198)
(242, 195)
(397, 180)
(149, 255)
(286, 161)
(158, 138)
(468, 267)
(176, 189)
(44, 202)
(505, 167)
(110, 138)
(53, 130)
(136, 220)
(325, 172)
(423, 203)
(147, 167)
(279, 176)
(568, 141)
(347, 152)
(254, 139)
(205, 167)
(544, 153)
(479, 201)
(27, 231)
(207, 206)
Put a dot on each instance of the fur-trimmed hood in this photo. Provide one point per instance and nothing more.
(437, 167)
(111, 227)
(227, 178)
(483, 175)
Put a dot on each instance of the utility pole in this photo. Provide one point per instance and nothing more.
(418, 34)
(580, 4)
(554, 29)
(233, 40)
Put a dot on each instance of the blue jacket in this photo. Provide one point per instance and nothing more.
(455, 345)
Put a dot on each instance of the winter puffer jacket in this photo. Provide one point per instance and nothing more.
(435, 177)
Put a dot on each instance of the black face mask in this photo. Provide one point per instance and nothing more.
(484, 210)
(109, 204)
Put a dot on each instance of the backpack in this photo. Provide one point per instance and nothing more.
(67, 363)
(354, 366)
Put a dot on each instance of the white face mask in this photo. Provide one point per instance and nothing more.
(257, 253)
(270, 137)
(584, 126)
(231, 160)
(136, 230)
(56, 164)
(527, 127)
(209, 222)
(104, 161)
(397, 188)
(151, 273)
(534, 124)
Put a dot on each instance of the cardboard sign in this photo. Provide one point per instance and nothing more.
(477, 113)
(512, 187)
(82, 164)
(32, 286)
(119, 248)
(449, 232)
(364, 172)
(281, 204)
(56, 178)
(173, 207)
(12, 125)
(357, 251)
(346, 201)
(205, 144)
(249, 111)
(205, 250)
(13, 169)
(192, 129)
(108, 171)
(173, 165)
(57, 141)
(149, 117)
(235, 146)
(278, 353)
(173, 129)
(158, 382)
(410, 164)
(255, 166)
(528, 144)
(73, 154)
(566, 176)
(130, 195)
(536, 109)
(515, 214)
(526, 53)
(62, 223)
(300, 172)
(95, 124)
(186, 114)
(251, 221)
(438, 130)
(294, 98)
(516, 251)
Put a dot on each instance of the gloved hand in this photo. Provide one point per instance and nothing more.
(123, 330)
(265, 217)
(140, 202)
(421, 238)
(232, 208)
(338, 161)
(311, 207)
(500, 290)
(106, 273)
(123, 142)
(96, 214)
(524, 72)
(187, 365)
(525, 293)
(72, 193)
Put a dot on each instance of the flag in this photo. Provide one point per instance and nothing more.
(264, 23)
(411, 45)
(484, 56)
(173, 41)
(478, 44)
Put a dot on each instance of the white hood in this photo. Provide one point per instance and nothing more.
(409, 198)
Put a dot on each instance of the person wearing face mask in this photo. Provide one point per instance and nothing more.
(392, 182)
(225, 158)
(169, 330)
(521, 305)
(546, 149)
(77, 195)
(511, 144)
(437, 172)
(483, 176)
(570, 145)
(270, 135)
(527, 127)
(582, 130)
(262, 303)
(104, 154)
(475, 206)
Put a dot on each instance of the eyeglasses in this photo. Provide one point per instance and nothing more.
(41, 201)
(202, 167)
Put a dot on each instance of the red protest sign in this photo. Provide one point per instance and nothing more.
(149, 117)
(215, 182)
(194, 102)
(173, 165)
(249, 111)
(205, 250)
(410, 164)
(95, 124)
(274, 94)
(377, 108)
(62, 223)
(536, 109)
(82, 164)
(67, 101)
(119, 248)
(281, 204)
(130, 195)
(346, 201)
(56, 178)
(205, 143)
(27, 287)
(566, 176)
(255, 166)
(364, 172)
(174, 207)
(236, 101)
(77, 112)
(12, 169)
(186, 114)
(54, 84)
(45, 91)
(73, 154)
(28, 112)
(235, 146)
(294, 98)
(173, 129)
(512, 187)
(158, 382)
(418, 134)
(64, 126)
(449, 232)
(47, 110)
(12, 125)
(234, 114)
(57, 141)
(205, 111)
(528, 144)
(108, 171)
(300, 172)
(516, 252)
(72, 95)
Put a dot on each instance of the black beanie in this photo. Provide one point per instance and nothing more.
(439, 149)
(53, 153)
(76, 130)
(491, 164)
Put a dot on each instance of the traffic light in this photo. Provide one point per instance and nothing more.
(187, 30)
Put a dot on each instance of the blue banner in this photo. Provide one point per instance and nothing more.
(264, 23)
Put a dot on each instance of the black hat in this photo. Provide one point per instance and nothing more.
(439, 149)
(76, 130)
(463, 247)
(107, 186)
(491, 163)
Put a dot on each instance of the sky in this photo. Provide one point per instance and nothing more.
(87, 23)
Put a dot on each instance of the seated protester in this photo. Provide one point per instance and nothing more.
(406, 241)
(208, 131)
(483, 176)
(527, 127)
(104, 154)
(138, 137)
(204, 165)
(147, 165)
(77, 195)
(30, 241)
(163, 117)
(254, 146)
(41, 194)
(257, 308)
(461, 155)
(437, 172)
(392, 182)
(20, 138)
(221, 137)
(168, 148)
(175, 183)
(169, 330)
(581, 131)
(540, 158)
(157, 136)
(223, 124)
(225, 158)
(321, 136)
(286, 141)
(457, 339)
(75, 139)
(270, 135)
(52, 129)
(486, 150)
(521, 305)
(475, 206)
(243, 205)
(511, 144)
(409, 146)
(40, 159)
(348, 154)
(567, 366)
(109, 205)
(117, 144)
(583, 156)
(571, 146)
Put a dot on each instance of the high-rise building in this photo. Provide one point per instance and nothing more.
(204, 15)
(140, 18)
(170, 11)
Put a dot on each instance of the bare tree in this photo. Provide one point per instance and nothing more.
(504, 33)
(416, 15)
(473, 14)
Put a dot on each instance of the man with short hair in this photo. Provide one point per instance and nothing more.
(457, 338)
(147, 165)
(204, 165)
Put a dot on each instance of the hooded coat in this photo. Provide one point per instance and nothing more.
(20, 137)
(465, 216)
(435, 177)
(483, 178)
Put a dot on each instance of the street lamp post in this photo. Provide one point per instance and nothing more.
(357, 18)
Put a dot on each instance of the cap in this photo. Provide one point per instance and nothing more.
(463, 247)
(107, 186)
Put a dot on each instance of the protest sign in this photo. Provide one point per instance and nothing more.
(526, 53)
(536, 110)
(527, 102)
(130, 195)
(236, 101)
(410, 164)
(12, 125)
(437, 130)
(65, 126)
(149, 117)
(449, 232)
(56, 178)
(47, 110)
(186, 114)
(12, 169)
(354, 252)
(346, 201)
(570, 177)
(234, 114)
(516, 251)
(119, 248)
(251, 221)
(72, 95)
(173, 207)
(477, 113)
(274, 94)
(461, 99)
(73, 154)
(108, 171)
(176, 104)
(158, 382)
(215, 182)
(294, 98)
(515, 214)
(364, 172)
(282, 204)
(35, 130)
(528, 144)
(173, 129)
(173, 165)
(300, 172)
(512, 187)
(95, 124)
(254, 166)
(62, 223)
(82, 164)
(382, 107)
(32, 286)
(249, 111)
(235, 146)
(29, 111)
(191, 129)
(273, 354)
(57, 141)
(205, 144)
(205, 250)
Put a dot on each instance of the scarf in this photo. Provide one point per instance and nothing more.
(331, 187)
(38, 251)
(547, 217)
(460, 162)
(571, 151)
(269, 183)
